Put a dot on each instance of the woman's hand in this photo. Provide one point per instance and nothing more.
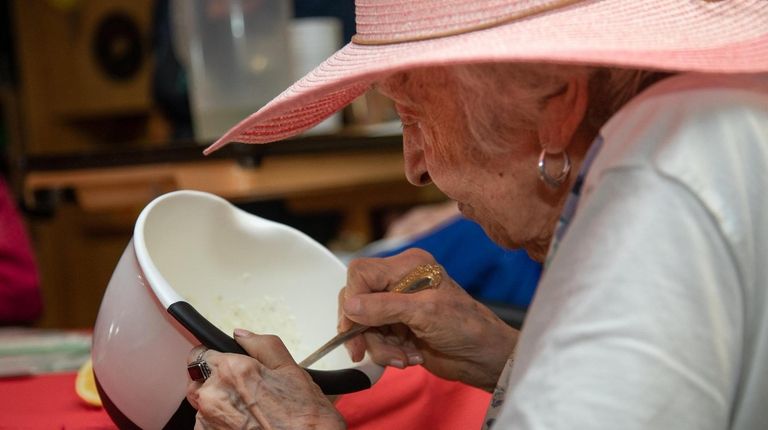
(445, 329)
(265, 391)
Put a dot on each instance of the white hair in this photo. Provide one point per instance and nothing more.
(499, 100)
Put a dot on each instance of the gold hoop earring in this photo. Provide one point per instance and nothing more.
(553, 181)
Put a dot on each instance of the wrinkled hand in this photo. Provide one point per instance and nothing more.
(451, 334)
(265, 391)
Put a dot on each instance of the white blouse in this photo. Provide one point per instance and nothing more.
(654, 311)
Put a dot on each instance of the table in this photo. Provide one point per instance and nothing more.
(410, 398)
(47, 402)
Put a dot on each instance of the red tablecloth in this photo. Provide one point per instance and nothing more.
(407, 399)
(47, 402)
(415, 399)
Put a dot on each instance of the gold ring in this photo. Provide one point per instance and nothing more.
(422, 277)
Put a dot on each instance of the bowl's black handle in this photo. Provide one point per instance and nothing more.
(331, 382)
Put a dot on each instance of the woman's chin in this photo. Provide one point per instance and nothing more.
(537, 254)
(500, 236)
(536, 250)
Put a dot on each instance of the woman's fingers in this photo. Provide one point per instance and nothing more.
(356, 348)
(392, 349)
(269, 350)
(221, 407)
(265, 390)
(200, 423)
(379, 274)
(395, 345)
(384, 353)
(373, 275)
(192, 395)
(391, 308)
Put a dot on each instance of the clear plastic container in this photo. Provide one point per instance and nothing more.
(312, 41)
(237, 57)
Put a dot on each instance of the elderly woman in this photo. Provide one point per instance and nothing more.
(623, 143)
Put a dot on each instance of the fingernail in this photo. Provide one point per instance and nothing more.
(351, 354)
(414, 359)
(352, 306)
(397, 363)
(241, 332)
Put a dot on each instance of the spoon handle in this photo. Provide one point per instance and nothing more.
(423, 277)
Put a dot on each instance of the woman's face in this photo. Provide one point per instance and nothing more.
(499, 190)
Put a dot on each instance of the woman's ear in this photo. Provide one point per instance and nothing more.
(563, 113)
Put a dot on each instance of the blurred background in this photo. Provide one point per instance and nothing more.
(106, 104)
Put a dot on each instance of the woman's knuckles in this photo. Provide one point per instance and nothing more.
(193, 396)
(376, 274)
(235, 367)
(418, 256)
(386, 355)
(271, 341)
(365, 275)
(209, 401)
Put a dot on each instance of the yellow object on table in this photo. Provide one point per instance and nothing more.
(85, 385)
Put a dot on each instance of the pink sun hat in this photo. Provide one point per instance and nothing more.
(717, 36)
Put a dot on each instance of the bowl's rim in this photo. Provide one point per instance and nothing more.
(157, 282)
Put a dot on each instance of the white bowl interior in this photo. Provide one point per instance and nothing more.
(240, 270)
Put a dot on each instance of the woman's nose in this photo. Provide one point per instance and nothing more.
(415, 165)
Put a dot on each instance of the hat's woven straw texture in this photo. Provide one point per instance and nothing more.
(679, 35)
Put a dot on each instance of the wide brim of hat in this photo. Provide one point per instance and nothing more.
(671, 35)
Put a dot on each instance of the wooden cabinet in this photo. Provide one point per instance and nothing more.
(80, 83)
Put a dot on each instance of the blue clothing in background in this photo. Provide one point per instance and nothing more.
(488, 272)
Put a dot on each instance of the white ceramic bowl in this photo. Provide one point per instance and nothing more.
(193, 245)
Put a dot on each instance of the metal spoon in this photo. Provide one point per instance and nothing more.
(423, 277)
